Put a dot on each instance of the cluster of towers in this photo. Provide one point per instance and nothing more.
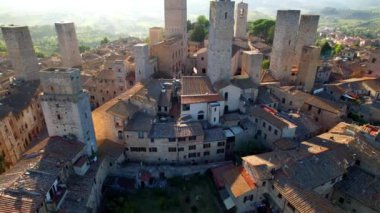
(292, 33)
(65, 105)
(22, 54)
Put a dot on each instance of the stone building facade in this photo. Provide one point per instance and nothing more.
(143, 67)
(241, 21)
(68, 44)
(284, 44)
(308, 67)
(21, 52)
(220, 40)
(21, 120)
(156, 35)
(251, 65)
(66, 106)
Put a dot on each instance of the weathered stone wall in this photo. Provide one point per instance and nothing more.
(284, 44)
(308, 66)
(241, 19)
(307, 35)
(21, 52)
(155, 35)
(143, 70)
(66, 107)
(220, 40)
(251, 65)
(68, 44)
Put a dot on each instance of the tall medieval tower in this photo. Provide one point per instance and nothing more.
(307, 34)
(220, 40)
(176, 21)
(68, 44)
(307, 70)
(143, 69)
(21, 52)
(284, 44)
(241, 20)
(66, 106)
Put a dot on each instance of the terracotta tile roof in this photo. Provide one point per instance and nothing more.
(123, 109)
(217, 174)
(201, 99)
(238, 181)
(272, 118)
(196, 85)
(174, 130)
(305, 201)
(324, 104)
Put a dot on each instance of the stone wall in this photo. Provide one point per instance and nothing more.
(68, 44)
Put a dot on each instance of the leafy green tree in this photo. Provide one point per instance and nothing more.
(263, 28)
(326, 49)
(104, 41)
(202, 20)
(338, 48)
(265, 65)
(198, 33)
(189, 25)
(84, 48)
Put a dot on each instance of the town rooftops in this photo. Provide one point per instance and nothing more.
(324, 104)
(176, 130)
(362, 187)
(215, 134)
(243, 82)
(123, 109)
(305, 201)
(18, 98)
(272, 118)
(140, 122)
(198, 89)
(238, 181)
(33, 176)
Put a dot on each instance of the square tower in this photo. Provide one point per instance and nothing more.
(310, 60)
(68, 44)
(143, 69)
(176, 21)
(307, 34)
(241, 19)
(284, 44)
(66, 106)
(220, 37)
(251, 64)
(21, 52)
(155, 35)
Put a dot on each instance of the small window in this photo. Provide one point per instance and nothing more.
(152, 149)
(220, 143)
(341, 200)
(181, 149)
(141, 134)
(206, 153)
(279, 195)
(206, 145)
(185, 107)
(171, 139)
(310, 107)
(172, 149)
(192, 138)
(219, 151)
(192, 155)
(181, 139)
(226, 96)
(225, 15)
(192, 147)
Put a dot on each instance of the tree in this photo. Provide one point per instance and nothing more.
(104, 41)
(2, 47)
(263, 28)
(189, 25)
(338, 48)
(326, 49)
(265, 65)
(202, 20)
(84, 48)
(198, 33)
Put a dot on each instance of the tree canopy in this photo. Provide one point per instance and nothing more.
(104, 41)
(199, 29)
(263, 28)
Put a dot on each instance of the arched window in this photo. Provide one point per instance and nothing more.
(201, 115)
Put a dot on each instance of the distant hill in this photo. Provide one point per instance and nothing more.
(353, 22)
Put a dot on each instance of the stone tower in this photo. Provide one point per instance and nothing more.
(251, 64)
(68, 44)
(66, 106)
(241, 19)
(309, 62)
(284, 44)
(143, 69)
(155, 35)
(307, 34)
(176, 21)
(220, 40)
(21, 52)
